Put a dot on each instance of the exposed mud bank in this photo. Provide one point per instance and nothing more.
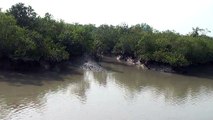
(85, 62)
(145, 66)
(91, 63)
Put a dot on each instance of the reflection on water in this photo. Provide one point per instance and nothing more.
(120, 93)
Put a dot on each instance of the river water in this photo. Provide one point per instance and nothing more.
(119, 93)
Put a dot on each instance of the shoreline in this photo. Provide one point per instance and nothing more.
(88, 62)
(137, 63)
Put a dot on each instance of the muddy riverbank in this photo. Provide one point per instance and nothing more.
(91, 63)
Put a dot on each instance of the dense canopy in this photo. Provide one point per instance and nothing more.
(26, 36)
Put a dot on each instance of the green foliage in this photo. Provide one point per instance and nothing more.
(21, 43)
(104, 39)
(26, 36)
(145, 47)
(25, 16)
(13, 39)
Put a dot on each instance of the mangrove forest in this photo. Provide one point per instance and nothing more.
(26, 36)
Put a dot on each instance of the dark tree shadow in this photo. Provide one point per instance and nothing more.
(201, 71)
(37, 78)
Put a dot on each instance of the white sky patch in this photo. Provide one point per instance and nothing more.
(178, 15)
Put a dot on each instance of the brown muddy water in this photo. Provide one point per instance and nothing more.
(119, 93)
